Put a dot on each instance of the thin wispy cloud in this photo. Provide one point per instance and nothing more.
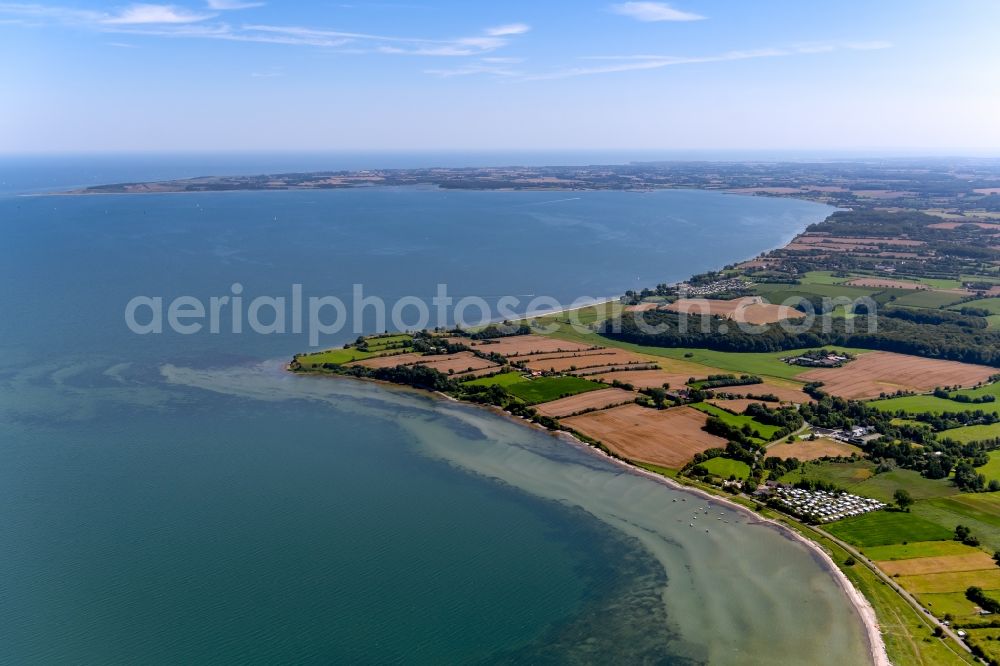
(483, 67)
(634, 62)
(509, 29)
(143, 14)
(650, 12)
(135, 14)
(162, 20)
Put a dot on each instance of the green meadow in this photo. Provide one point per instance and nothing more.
(859, 477)
(992, 469)
(335, 356)
(766, 431)
(506, 379)
(975, 433)
(915, 404)
(980, 511)
(919, 549)
(726, 467)
(882, 528)
(544, 389)
(990, 304)
(927, 299)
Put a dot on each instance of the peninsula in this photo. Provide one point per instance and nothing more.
(874, 431)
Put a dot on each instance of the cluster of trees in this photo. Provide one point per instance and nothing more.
(948, 420)
(661, 328)
(741, 435)
(964, 398)
(787, 418)
(493, 331)
(429, 344)
(778, 467)
(964, 534)
(720, 381)
(911, 446)
(970, 481)
(834, 412)
(418, 376)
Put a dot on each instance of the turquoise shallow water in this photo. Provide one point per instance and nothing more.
(181, 499)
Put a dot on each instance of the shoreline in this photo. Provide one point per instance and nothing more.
(860, 604)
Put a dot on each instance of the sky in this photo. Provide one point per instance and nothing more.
(248, 75)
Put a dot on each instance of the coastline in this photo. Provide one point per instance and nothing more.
(865, 611)
(861, 605)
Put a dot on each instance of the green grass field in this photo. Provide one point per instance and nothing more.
(544, 389)
(831, 289)
(980, 511)
(844, 475)
(989, 389)
(915, 404)
(988, 640)
(991, 469)
(907, 633)
(767, 432)
(950, 603)
(882, 486)
(382, 342)
(765, 364)
(859, 478)
(991, 304)
(951, 581)
(993, 321)
(974, 434)
(341, 356)
(725, 467)
(822, 277)
(919, 549)
(505, 379)
(927, 299)
(882, 528)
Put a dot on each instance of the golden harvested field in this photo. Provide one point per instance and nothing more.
(750, 309)
(477, 373)
(811, 450)
(668, 437)
(587, 372)
(848, 240)
(957, 581)
(647, 378)
(590, 400)
(875, 372)
(520, 345)
(808, 247)
(784, 392)
(933, 565)
(641, 307)
(393, 360)
(605, 357)
(459, 362)
(882, 194)
(879, 283)
(736, 405)
(569, 354)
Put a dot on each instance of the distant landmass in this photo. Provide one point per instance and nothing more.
(971, 183)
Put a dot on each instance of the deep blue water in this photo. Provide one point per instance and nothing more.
(179, 499)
